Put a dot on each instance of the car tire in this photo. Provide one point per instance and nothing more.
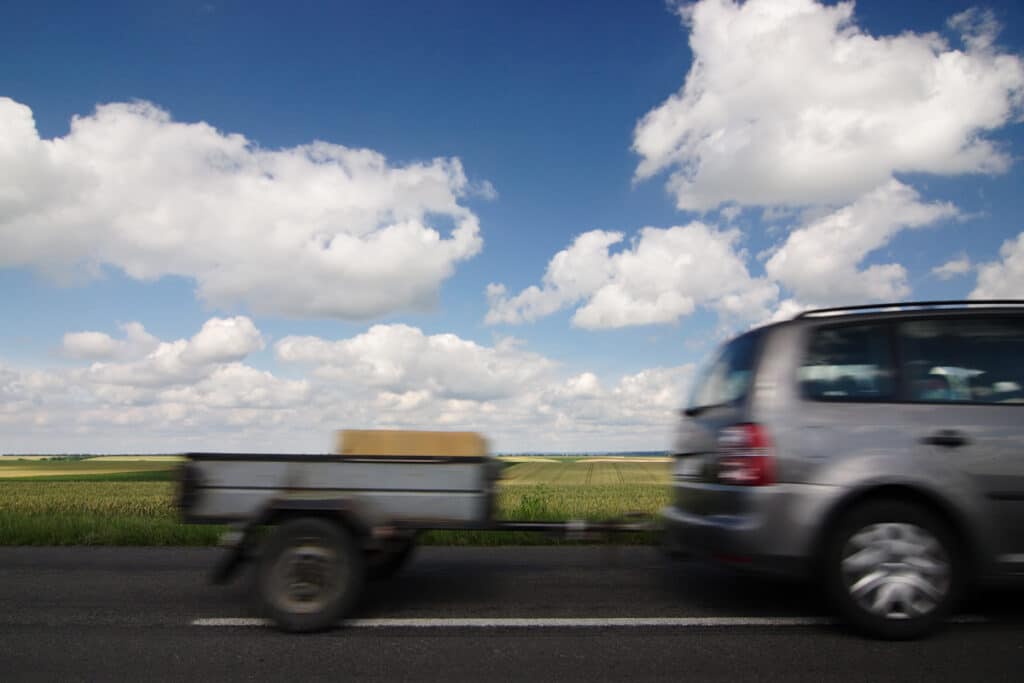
(310, 574)
(893, 569)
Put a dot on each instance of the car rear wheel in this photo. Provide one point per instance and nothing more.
(893, 569)
(310, 574)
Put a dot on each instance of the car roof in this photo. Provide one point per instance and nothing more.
(961, 306)
(904, 309)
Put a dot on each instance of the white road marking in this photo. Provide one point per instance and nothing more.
(570, 622)
(549, 622)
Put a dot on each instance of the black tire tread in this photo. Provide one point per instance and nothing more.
(339, 538)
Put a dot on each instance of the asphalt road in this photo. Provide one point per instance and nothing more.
(98, 614)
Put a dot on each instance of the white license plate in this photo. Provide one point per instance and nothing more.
(690, 466)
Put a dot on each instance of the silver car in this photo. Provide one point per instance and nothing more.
(879, 450)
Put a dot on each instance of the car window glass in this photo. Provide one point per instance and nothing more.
(976, 360)
(727, 378)
(848, 362)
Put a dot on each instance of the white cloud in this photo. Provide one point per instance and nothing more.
(95, 345)
(178, 393)
(315, 230)
(240, 386)
(662, 276)
(978, 28)
(1003, 279)
(391, 376)
(184, 361)
(223, 340)
(399, 359)
(731, 213)
(483, 189)
(572, 274)
(819, 262)
(787, 309)
(961, 265)
(789, 102)
(647, 400)
(101, 346)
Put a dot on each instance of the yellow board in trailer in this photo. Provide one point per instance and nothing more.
(384, 442)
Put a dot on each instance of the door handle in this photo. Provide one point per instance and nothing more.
(950, 438)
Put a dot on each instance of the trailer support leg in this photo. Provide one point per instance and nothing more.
(239, 543)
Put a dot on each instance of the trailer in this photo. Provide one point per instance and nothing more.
(319, 526)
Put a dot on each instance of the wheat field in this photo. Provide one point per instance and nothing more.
(131, 502)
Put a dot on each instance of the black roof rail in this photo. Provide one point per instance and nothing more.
(910, 304)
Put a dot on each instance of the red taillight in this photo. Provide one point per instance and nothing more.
(745, 456)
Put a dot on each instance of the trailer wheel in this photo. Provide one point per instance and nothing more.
(386, 562)
(310, 574)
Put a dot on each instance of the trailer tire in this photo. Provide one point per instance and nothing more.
(310, 574)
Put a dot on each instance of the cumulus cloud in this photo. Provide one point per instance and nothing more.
(961, 265)
(1003, 279)
(789, 102)
(391, 376)
(239, 386)
(90, 345)
(318, 230)
(820, 262)
(400, 359)
(148, 395)
(662, 276)
(651, 396)
(572, 274)
(787, 309)
(221, 340)
(789, 106)
(518, 398)
(101, 346)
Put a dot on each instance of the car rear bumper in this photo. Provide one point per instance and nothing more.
(772, 532)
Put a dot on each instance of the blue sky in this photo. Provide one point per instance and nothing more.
(170, 287)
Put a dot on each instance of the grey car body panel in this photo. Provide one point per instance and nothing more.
(831, 452)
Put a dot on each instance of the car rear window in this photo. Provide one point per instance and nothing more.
(726, 379)
(848, 363)
(974, 360)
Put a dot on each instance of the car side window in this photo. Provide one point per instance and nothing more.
(848, 363)
(960, 359)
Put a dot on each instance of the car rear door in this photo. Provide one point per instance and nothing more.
(964, 381)
(850, 428)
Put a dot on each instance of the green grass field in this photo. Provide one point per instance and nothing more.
(131, 502)
(582, 472)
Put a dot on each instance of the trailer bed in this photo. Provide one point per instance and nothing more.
(424, 490)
